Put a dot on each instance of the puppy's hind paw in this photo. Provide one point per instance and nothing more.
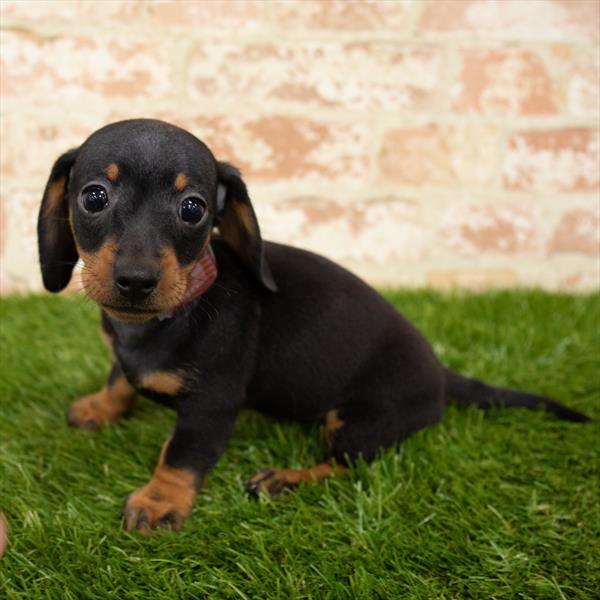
(276, 481)
(272, 482)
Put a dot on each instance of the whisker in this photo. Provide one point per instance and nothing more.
(206, 301)
(231, 291)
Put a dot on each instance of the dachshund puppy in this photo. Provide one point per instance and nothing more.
(204, 316)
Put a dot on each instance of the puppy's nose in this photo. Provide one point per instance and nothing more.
(136, 284)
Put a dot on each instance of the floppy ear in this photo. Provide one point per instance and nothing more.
(238, 225)
(58, 253)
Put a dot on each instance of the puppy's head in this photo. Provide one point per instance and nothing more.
(137, 202)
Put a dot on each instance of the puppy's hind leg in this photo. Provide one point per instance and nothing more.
(275, 481)
(357, 430)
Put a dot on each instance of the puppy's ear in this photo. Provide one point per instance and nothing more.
(58, 253)
(238, 225)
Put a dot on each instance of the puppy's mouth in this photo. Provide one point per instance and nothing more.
(131, 309)
(130, 313)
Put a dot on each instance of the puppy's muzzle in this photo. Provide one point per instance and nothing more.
(135, 282)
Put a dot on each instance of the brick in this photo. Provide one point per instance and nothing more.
(547, 19)
(440, 155)
(278, 148)
(20, 270)
(473, 279)
(20, 264)
(33, 68)
(503, 82)
(323, 74)
(70, 10)
(582, 280)
(36, 139)
(241, 15)
(2, 227)
(505, 229)
(287, 100)
(378, 231)
(578, 231)
(339, 15)
(565, 160)
(582, 80)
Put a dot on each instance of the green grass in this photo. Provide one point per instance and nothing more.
(503, 505)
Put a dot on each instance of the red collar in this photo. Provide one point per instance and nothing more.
(201, 277)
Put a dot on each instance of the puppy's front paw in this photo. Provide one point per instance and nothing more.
(163, 503)
(91, 412)
(104, 407)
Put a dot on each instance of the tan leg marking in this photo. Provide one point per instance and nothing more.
(274, 481)
(332, 424)
(165, 501)
(163, 382)
(104, 407)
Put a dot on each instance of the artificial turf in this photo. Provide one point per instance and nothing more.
(501, 505)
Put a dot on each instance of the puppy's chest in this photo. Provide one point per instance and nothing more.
(151, 365)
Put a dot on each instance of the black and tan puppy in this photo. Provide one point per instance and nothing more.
(202, 315)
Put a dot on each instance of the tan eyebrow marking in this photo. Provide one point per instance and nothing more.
(180, 182)
(112, 172)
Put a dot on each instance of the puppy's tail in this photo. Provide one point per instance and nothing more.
(468, 391)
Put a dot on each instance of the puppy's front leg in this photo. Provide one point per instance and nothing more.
(186, 458)
(107, 406)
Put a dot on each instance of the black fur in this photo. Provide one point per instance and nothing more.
(282, 330)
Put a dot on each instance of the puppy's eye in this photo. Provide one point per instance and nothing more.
(94, 199)
(192, 209)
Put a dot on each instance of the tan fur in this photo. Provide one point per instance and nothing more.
(97, 271)
(170, 270)
(243, 213)
(104, 407)
(97, 277)
(174, 278)
(237, 219)
(170, 492)
(332, 424)
(180, 182)
(275, 480)
(163, 382)
(112, 172)
(54, 196)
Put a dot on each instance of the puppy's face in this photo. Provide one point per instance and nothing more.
(140, 202)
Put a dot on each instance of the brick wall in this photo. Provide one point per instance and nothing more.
(422, 143)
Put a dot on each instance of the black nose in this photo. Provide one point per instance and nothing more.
(136, 284)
